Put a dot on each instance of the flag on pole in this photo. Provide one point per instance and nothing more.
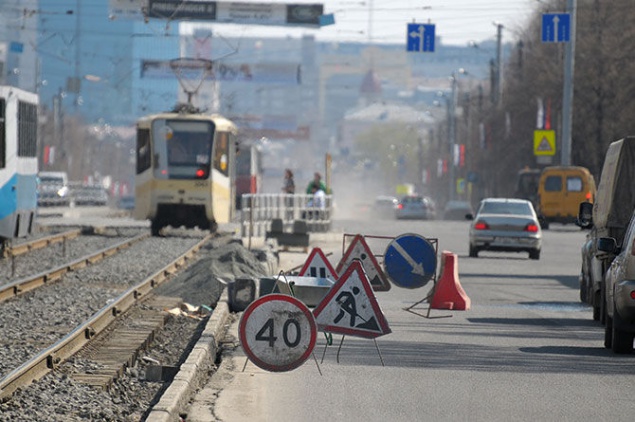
(547, 125)
(540, 117)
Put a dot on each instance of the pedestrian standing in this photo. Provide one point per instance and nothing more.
(288, 187)
(288, 184)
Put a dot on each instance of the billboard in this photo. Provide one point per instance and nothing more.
(222, 12)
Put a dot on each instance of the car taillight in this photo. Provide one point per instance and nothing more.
(633, 294)
(200, 173)
(531, 228)
(481, 225)
(400, 206)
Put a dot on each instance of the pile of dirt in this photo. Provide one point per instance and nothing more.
(202, 282)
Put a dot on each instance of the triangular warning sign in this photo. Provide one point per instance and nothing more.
(350, 307)
(318, 266)
(359, 250)
(544, 145)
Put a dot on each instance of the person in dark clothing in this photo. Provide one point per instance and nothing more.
(288, 184)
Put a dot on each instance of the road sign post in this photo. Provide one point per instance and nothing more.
(420, 37)
(410, 261)
(556, 27)
(277, 332)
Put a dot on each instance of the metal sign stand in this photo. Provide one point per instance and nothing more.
(329, 341)
(435, 243)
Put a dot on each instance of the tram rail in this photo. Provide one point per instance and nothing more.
(52, 357)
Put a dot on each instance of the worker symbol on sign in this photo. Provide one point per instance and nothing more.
(346, 300)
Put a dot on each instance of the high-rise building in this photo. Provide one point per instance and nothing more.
(18, 36)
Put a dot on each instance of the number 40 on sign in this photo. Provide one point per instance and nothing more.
(277, 332)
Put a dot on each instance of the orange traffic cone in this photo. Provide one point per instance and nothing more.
(448, 293)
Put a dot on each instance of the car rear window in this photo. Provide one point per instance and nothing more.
(574, 184)
(553, 184)
(512, 208)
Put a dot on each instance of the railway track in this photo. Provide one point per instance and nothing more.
(27, 284)
(111, 357)
(24, 247)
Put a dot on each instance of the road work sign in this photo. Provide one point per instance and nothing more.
(318, 266)
(277, 332)
(359, 250)
(350, 307)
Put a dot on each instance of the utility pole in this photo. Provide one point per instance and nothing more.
(77, 80)
(567, 95)
(452, 134)
(499, 64)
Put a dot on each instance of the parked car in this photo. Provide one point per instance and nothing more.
(619, 283)
(91, 195)
(505, 224)
(53, 190)
(457, 210)
(608, 216)
(385, 206)
(416, 207)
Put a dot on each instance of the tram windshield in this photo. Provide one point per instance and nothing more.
(182, 148)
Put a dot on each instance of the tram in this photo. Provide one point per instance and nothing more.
(185, 171)
(18, 163)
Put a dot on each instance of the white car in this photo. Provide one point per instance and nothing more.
(505, 224)
(619, 284)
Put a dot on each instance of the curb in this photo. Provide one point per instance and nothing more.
(193, 372)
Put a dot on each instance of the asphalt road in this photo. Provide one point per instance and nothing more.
(527, 350)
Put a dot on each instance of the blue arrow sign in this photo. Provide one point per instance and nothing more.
(556, 27)
(420, 37)
(410, 261)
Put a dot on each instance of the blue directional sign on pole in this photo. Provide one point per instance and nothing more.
(420, 37)
(556, 27)
(410, 261)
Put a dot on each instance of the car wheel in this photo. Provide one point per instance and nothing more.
(534, 254)
(473, 252)
(608, 333)
(622, 341)
(596, 307)
(583, 292)
(603, 314)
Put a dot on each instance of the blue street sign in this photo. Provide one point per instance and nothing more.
(556, 27)
(420, 37)
(410, 261)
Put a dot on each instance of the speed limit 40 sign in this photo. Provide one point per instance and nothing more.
(277, 332)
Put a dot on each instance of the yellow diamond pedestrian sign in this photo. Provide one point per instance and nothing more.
(544, 142)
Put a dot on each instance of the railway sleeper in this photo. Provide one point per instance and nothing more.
(121, 346)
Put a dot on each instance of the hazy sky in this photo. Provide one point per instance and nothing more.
(457, 21)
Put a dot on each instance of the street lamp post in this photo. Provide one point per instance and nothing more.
(452, 131)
